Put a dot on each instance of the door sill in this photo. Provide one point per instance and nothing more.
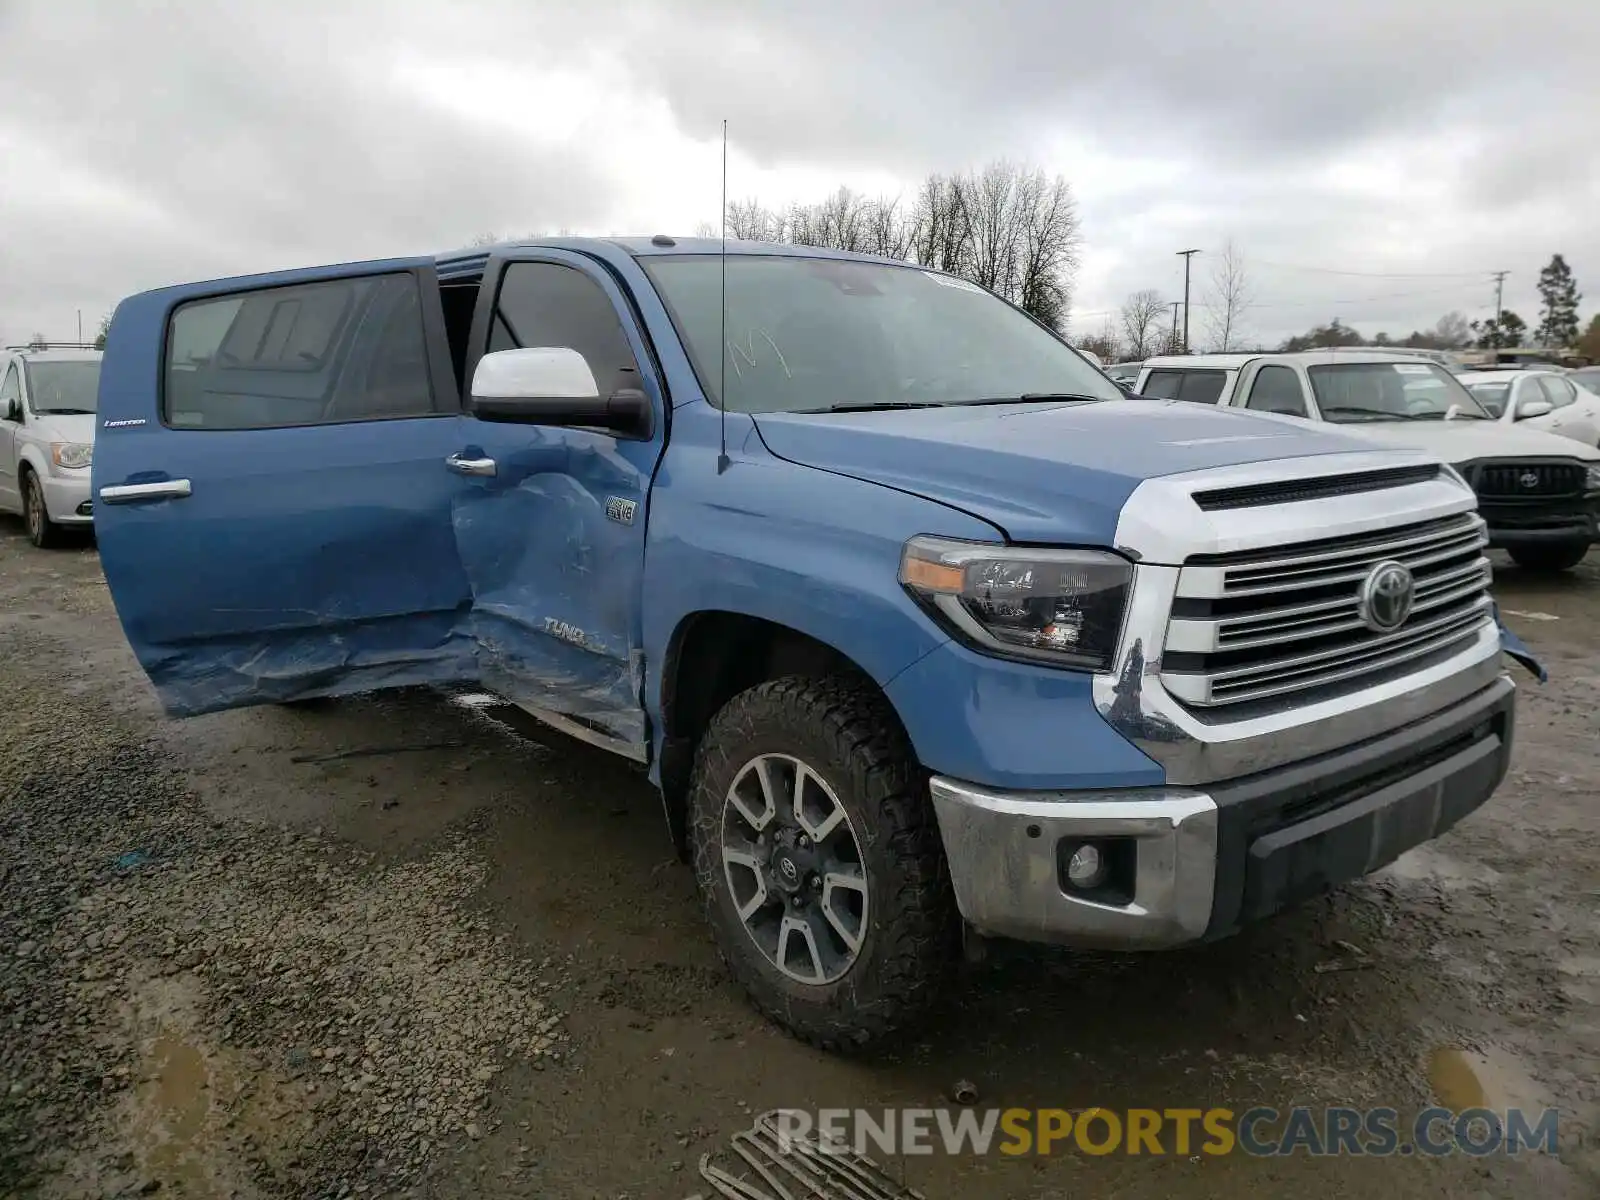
(584, 733)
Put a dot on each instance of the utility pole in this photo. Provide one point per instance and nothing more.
(1173, 340)
(1188, 256)
(1499, 292)
(80, 327)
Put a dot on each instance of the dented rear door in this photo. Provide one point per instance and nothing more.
(273, 506)
(552, 538)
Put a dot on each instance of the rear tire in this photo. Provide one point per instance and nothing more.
(42, 531)
(1558, 556)
(844, 802)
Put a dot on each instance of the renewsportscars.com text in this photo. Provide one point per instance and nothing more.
(1259, 1132)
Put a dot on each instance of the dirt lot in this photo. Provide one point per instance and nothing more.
(397, 946)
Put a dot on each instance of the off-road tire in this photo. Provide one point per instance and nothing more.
(42, 531)
(1555, 556)
(844, 731)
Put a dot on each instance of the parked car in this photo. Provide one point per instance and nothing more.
(913, 617)
(1126, 373)
(1549, 401)
(47, 407)
(1539, 493)
(1587, 377)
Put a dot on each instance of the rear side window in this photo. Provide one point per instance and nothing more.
(1278, 390)
(1199, 387)
(310, 354)
(1558, 391)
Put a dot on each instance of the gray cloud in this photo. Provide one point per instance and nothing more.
(167, 141)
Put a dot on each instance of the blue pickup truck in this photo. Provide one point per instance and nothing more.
(921, 626)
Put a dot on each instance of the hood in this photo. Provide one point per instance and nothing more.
(66, 427)
(1040, 472)
(1465, 441)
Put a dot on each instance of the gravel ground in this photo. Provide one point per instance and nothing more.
(392, 946)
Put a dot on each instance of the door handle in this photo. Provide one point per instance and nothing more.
(470, 466)
(127, 493)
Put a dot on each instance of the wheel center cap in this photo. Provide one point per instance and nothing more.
(786, 871)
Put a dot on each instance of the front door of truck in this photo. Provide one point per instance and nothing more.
(275, 515)
(552, 534)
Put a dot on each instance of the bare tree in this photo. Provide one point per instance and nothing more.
(1050, 243)
(751, 221)
(1453, 332)
(1141, 317)
(1230, 297)
(1011, 229)
(941, 228)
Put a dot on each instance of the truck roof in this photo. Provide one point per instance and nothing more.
(1230, 362)
(44, 356)
(458, 262)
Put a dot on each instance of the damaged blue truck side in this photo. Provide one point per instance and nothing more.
(918, 623)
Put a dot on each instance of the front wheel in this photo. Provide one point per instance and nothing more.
(818, 860)
(42, 531)
(1557, 556)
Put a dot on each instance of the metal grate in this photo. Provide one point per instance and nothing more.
(1247, 627)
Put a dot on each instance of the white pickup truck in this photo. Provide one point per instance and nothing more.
(1538, 492)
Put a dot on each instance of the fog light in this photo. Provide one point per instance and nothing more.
(1086, 869)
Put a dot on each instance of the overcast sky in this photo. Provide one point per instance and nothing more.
(1374, 160)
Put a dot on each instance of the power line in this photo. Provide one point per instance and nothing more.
(1260, 262)
(1453, 290)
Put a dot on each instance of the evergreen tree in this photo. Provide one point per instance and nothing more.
(1558, 304)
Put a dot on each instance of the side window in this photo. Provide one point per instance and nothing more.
(1162, 385)
(310, 354)
(1558, 391)
(1277, 390)
(9, 391)
(1197, 387)
(546, 304)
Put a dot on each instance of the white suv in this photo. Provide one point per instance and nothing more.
(48, 399)
(1538, 492)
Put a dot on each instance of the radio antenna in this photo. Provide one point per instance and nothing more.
(722, 332)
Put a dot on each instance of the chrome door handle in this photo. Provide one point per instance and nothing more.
(127, 493)
(470, 466)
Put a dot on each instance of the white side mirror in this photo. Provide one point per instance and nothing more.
(1534, 408)
(536, 372)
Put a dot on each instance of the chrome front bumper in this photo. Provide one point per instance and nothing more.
(1202, 862)
(1004, 851)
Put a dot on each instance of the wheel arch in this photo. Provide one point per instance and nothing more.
(713, 655)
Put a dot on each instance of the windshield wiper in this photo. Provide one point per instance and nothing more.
(875, 406)
(1029, 398)
(1371, 414)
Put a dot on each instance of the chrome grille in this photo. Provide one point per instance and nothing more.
(1266, 623)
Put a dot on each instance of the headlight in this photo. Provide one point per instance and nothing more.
(1063, 607)
(71, 454)
(1592, 477)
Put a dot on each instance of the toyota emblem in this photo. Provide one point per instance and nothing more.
(1529, 479)
(791, 873)
(1386, 596)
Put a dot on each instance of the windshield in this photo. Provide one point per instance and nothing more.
(63, 387)
(1491, 395)
(810, 334)
(1588, 379)
(1409, 391)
